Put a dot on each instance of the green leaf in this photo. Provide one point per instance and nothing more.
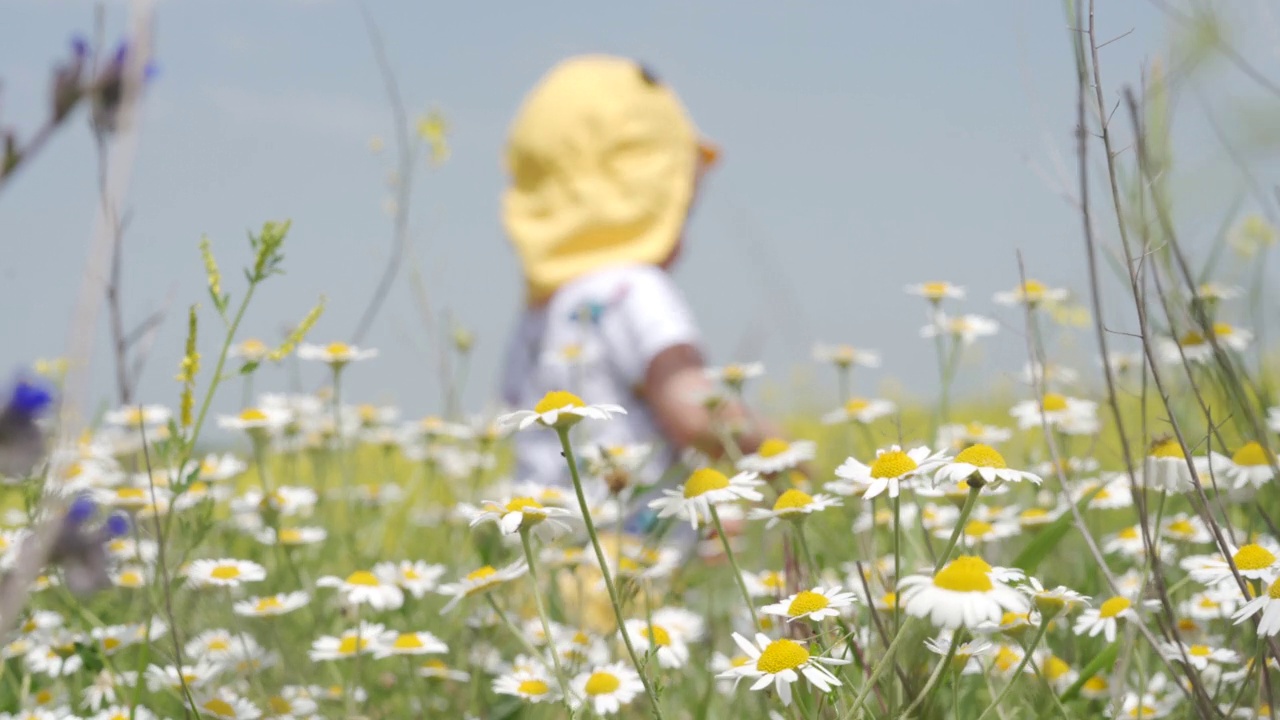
(1103, 661)
(249, 367)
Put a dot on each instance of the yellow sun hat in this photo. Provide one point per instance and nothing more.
(603, 161)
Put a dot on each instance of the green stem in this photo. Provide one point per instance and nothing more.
(969, 503)
(876, 673)
(733, 564)
(565, 445)
(933, 678)
(1017, 672)
(546, 623)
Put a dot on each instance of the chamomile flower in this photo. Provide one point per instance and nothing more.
(268, 420)
(1267, 603)
(1031, 293)
(780, 663)
(559, 409)
(984, 462)
(363, 587)
(416, 577)
(735, 375)
(124, 712)
(767, 583)
(528, 685)
(1166, 467)
(846, 356)
(135, 416)
(249, 350)
(957, 437)
(1143, 707)
(366, 639)
(478, 581)
(1053, 602)
(967, 654)
(411, 643)
(1186, 528)
(1197, 348)
(1036, 374)
(776, 455)
(336, 354)
(292, 536)
(1216, 292)
(1200, 656)
(1216, 603)
(172, 678)
(1056, 671)
(890, 469)
(1070, 415)
(794, 505)
(271, 605)
(860, 410)
(817, 604)
(438, 669)
(1256, 561)
(1248, 467)
(606, 688)
(977, 530)
(669, 645)
(966, 592)
(936, 292)
(704, 489)
(1111, 493)
(226, 572)
(964, 328)
(1104, 619)
(521, 513)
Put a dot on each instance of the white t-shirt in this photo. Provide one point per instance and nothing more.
(596, 338)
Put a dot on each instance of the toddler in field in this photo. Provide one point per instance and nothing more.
(605, 166)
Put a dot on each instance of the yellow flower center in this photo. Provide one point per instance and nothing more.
(1053, 402)
(291, 536)
(1033, 289)
(1006, 658)
(1055, 667)
(1182, 526)
(1273, 592)
(1167, 449)
(252, 346)
(892, 464)
(130, 578)
(703, 481)
(1129, 533)
(363, 577)
(557, 400)
(1253, 557)
(219, 644)
(734, 373)
(435, 665)
(268, 603)
(934, 290)
(773, 580)
(338, 349)
(1096, 684)
(252, 415)
(532, 687)
(110, 643)
(978, 528)
(1033, 514)
(131, 493)
(982, 456)
(967, 573)
(279, 706)
(856, 405)
(407, 641)
(782, 655)
(572, 351)
(807, 601)
(773, 447)
(1113, 607)
(889, 599)
(1013, 618)
(225, 572)
(1250, 454)
(521, 504)
(350, 645)
(602, 683)
(44, 697)
(1199, 650)
(481, 573)
(792, 501)
(657, 635)
(218, 706)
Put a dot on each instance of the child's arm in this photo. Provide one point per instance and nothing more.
(673, 381)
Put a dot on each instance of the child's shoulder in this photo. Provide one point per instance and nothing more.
(613, 287)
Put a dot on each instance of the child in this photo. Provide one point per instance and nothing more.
(604, 167)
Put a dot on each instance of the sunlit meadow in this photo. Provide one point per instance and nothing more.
(1101, 543)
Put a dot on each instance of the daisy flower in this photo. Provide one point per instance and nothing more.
(889, 470)
(961, 435)
(1214, 292)
(479, 581)
(817, 604)
(1050, 603)
(1035, 374)
(227, 572)
(776, 455)
(936, 292)
(438, 669)
(170, 678)
(336, 354)
(735, 375)
(271, 605)
(670, 647)
(794, 505)
(984, 462)
(411, 643)
(416, 577)
(1211, 604)
(1267, 603)
(860, 410)
(1103, 619)
(134, 416)
(1113, 494)
(250, 350)
(1068, 414)
(365, 588)
(1247, 467)
(977, 530)
(124, 712)
(1166, 467)
(767, 583)
(1187, 528)
(1031, 293)
(966, 592)
(606, 688)
(1056, 671)
(1199, 656)
(1199, 349)
(292, 536)
(368, 638)
(846, 356)
(704, 489)
(1038, 517)
(1144, 707)
(533, 687)
(967, 654)
(780, 663)
(260, 420)
(559, 409)
(521, 513)
(965, 328)
(1253, 561)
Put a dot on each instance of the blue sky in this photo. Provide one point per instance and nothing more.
(866, 146)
